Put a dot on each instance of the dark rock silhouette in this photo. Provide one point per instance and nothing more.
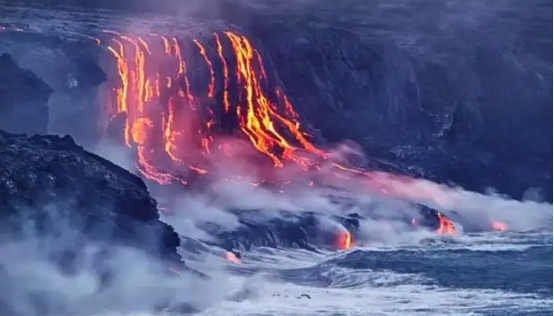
(64, 198)
(40, 169)
(23, 99)
(72, 72)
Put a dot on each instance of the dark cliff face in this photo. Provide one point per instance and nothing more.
(40, 170)
(72, 75)
(60, 200)
(455, 91)
(23, 99)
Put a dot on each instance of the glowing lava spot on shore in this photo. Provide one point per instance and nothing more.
(499, 226)
(445, 225)
(230, 256)
(344, 240)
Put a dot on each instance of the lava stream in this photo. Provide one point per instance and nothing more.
(176, 127)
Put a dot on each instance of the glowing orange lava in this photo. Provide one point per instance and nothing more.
(175, 129)
(445, 225)
(496, 225)
(344, 241)
(229, 255)
(266, 124)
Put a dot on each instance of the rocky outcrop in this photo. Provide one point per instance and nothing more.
(23, 99)
(78, 105)
(42, 170)
(65, 199)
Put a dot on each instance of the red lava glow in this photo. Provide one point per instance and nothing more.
(445, 225)
(174, 128)
(344, 241)
(186, 126)
(496, 225)
(232, 257)
(165, 116)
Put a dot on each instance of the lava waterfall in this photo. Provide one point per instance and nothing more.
(189, 107)
(176, 117)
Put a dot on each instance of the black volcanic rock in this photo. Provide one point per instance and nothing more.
(86, 72)
(67, 198)
(23, 99)
(42, 169)
(304, 230)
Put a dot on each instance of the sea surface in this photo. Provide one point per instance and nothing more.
(493, 273)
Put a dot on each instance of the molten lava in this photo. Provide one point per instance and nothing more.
(168, 117)
(229, 255)
(176, 127)
(445, 225)
(160, 106)
(344, 241)
(496, 225)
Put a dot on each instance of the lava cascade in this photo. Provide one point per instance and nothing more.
(173, 121)
(161, 111)
(445, 225)
(344, 240)
(163, 118)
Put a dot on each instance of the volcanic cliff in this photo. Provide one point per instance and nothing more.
(66, 199)
(463, 85)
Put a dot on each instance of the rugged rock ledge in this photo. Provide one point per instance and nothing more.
(39, 170)
(52, 188)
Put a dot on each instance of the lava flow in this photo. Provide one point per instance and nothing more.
(500, 226)
(179, 126)
(344, 240)
(445, 225)
(162, 112)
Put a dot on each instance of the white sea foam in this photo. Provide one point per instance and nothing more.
(405, 299)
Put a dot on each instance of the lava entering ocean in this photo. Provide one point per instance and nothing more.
(163, 111)
(178, 122)
(179, 128)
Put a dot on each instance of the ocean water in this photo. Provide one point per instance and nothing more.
(493, 273)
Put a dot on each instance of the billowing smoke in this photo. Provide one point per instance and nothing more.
(51, 267)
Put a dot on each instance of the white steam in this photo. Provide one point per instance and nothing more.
(56, 269)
